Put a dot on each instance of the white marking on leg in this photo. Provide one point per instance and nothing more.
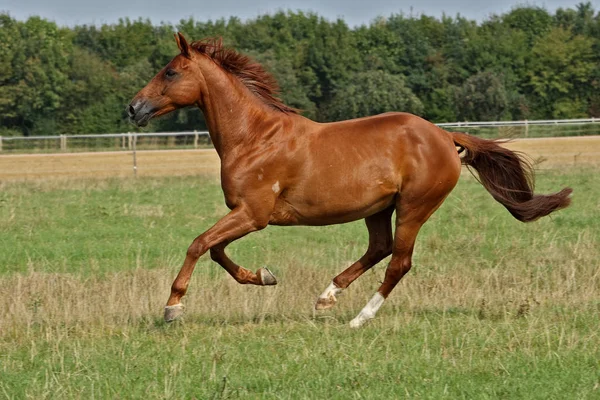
(369, 311)
(327, 299)
(275, 187)
(331, 292)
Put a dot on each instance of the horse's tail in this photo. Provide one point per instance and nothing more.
(509, 178)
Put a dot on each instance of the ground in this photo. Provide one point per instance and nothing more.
(493, 308)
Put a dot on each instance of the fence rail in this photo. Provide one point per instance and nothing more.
(105, 142)
(201, 139)
(527, 129)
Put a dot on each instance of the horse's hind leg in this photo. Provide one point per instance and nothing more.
(380, 246)
(409, 219)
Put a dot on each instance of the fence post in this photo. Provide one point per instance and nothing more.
(134, 140)
(129, 140)
(526, 129)
(195, 140)
(0, 143)
(63, 142)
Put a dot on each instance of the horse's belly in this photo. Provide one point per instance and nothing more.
(332, 205)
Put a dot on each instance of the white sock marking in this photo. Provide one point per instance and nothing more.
(369, 311)
(331, 291)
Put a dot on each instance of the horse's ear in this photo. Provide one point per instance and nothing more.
(182, 44)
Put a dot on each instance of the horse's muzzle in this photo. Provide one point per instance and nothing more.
(140, 112)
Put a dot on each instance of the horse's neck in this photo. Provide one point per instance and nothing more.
(233, 114)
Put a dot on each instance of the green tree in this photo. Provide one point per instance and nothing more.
(370, 93)
(560, 72)
(91, 103)
(482, 98)
(526, 63)
(35, 55)
(291, 90)
(533, 21)
(122, 44)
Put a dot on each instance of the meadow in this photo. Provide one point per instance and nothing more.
(492, 308)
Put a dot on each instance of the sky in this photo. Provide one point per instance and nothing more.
(79, 12)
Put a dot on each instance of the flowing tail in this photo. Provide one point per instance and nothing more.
(509, 178)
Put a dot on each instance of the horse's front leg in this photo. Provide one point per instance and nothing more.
(262, 277)
(237, 223)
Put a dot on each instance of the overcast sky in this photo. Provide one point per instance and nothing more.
(78, 12)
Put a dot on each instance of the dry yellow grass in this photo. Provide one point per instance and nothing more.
(547, 152)
(560, 151)
(56, 301)
(108, 164)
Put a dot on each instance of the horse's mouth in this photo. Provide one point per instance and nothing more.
(143, 121)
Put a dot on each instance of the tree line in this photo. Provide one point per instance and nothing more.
(524, 64)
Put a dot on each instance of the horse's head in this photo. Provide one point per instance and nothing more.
(177, 85)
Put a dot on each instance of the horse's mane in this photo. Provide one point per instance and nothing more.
(249, 72)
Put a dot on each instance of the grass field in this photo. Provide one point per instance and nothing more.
(493, 308)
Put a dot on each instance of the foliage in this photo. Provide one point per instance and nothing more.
(370, 93)
(35, 75)
(561, 72)
(526, 63)
(482, 97)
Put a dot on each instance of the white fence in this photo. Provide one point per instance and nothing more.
(524, 129)
(201, 139)
(105, 142)
(523, 123)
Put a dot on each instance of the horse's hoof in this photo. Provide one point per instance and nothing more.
(323, 303)
(356, 323)
(360, 320)
(266, 277)
(173, 312)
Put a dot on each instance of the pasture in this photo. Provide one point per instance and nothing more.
(493, 308)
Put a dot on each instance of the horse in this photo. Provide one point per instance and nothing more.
(280, 168)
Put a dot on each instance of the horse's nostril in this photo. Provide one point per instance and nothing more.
(131, 110)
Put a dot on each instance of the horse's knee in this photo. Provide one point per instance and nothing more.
(195, 250)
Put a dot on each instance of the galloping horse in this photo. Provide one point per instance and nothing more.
(280, 168)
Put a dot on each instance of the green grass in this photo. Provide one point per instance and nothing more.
(113, 225)
(430, 357)
(493, 308)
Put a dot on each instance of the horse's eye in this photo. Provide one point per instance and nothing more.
(170, 73)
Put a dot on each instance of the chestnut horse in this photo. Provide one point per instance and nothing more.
(280, 168)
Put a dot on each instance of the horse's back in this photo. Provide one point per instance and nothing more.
(402, 139)
(353, 169)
